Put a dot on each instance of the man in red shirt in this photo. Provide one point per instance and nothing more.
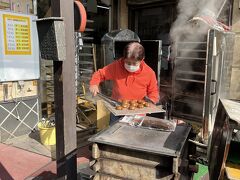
(132, 78)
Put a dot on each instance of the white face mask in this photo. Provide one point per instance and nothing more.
(131, 68)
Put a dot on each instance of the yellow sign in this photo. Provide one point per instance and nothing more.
(17, 35)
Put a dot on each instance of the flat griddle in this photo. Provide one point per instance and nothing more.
(147, 140)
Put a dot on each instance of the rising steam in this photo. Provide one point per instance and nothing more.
(183, 29)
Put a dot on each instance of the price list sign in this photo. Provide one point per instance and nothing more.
(17, 35)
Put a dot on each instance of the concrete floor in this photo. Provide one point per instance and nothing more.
(32, 143)
(19, 164)
(25, 157)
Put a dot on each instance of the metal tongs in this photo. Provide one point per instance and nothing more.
(109, 100)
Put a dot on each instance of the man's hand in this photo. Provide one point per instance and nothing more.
(94, 89)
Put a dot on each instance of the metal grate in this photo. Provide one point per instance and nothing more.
(202, 76)
(18, 118)
(189, 79)
(51, 34)
(85, 58)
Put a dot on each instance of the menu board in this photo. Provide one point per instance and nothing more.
(19, 47)
(17, 34)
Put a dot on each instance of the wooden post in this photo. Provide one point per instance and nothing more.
(65, 96)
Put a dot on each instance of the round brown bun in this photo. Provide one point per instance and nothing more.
(141, 101)
(131, 108)
(146, 104)
(134, 104)
(119, 107)
(125, 105)
(140, 106)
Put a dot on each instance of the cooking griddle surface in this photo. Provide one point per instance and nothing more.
(152, 141)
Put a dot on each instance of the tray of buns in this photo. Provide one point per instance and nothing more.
(131, 107)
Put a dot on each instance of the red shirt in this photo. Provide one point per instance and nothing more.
(128, 85)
